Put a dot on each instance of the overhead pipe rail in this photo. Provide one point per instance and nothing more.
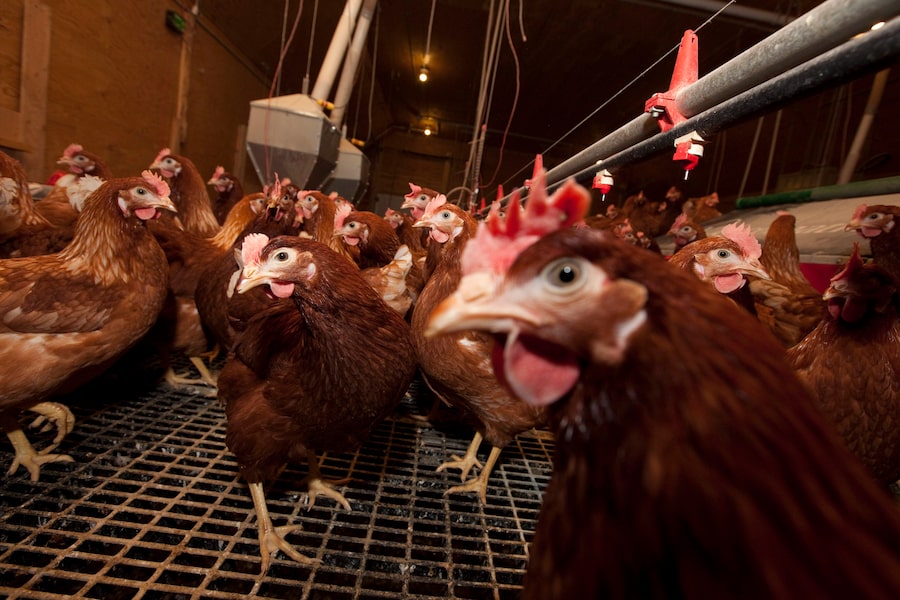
(809, 54)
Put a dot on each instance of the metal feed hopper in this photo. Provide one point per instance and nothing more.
(350, 177)
(300, 140)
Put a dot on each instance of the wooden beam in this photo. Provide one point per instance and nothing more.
(35, 75)
(178, 132)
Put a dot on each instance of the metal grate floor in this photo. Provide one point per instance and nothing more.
(154, 507)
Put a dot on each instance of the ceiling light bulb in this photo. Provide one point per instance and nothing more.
(423, 74)
(427, 131)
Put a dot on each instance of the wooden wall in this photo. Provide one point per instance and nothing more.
(117, 79)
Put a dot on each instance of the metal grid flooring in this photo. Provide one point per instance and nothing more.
(154, 507)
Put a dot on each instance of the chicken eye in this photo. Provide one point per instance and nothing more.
(446, 214)
(140, 191)
(564, 275)
(685, 229)
(723, 253)
(874, 216)
(281, 256)
(422, 198)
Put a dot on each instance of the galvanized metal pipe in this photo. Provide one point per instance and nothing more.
(806, 37)
(865, 53)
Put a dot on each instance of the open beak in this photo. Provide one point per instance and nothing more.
(474, 305)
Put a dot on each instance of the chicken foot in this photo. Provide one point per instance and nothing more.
(53, 414)
(26, 456)
(317, 485)
(465, 463)
(271, 539)
(206, 377)
(479, 484)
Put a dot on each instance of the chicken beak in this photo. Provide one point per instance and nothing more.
(251, 276)
(753, 267)
(853, 225)
(165, 203)
(422, 223)
(475, 305)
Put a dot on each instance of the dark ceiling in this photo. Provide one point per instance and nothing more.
(568, 72)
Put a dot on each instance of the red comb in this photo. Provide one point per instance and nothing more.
(680, 220)
(72, 149)
(500, 240)
(854, 263)
(860, 212)
(162, 154)
(414, 189)
(156, 182)
(340, 214)
(217, 174)
(252, 247)
(434, 205)
(275, 191)
(743, 237)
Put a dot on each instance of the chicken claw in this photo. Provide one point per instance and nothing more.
(206, 377)
(271, 539)
(28, 457)
(478, 484)
(317, 485)
(57, 414)
(465, 463)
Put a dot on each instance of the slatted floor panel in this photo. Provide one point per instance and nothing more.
(153, 507)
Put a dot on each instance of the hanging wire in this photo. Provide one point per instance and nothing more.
(712, 17)
(374, 64)
(275, 78)
(428, 37)
(287, 6)
(488, 72)
(309, 52)
(512, 110)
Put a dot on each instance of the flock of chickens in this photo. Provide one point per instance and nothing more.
(723, 429)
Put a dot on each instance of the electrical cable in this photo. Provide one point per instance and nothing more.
(512, 110)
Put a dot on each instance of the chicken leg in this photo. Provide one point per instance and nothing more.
(206, 377)
(468, 461)
(271, 539)
(317, 485)
(479, 484)
(26, 455)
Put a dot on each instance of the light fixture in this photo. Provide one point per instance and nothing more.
(423, 73)
(427, 126)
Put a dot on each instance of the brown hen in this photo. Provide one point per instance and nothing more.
(286, 388)
(66, 317)
(787, 304)
(23, 230)
(189, 193)
(851, 363)
(673, 477)
(229, 192)
(878, 224)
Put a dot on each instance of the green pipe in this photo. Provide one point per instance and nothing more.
(872, 187)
